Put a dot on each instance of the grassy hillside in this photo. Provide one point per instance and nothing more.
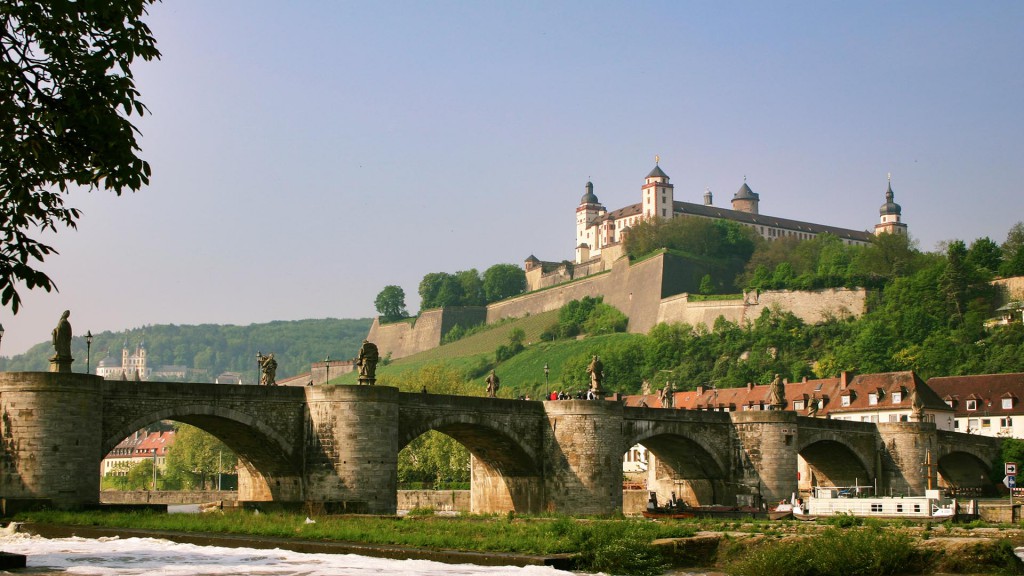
(523, 374)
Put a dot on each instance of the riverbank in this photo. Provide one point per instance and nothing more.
(615, 546)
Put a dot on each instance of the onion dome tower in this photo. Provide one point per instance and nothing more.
(890, 215)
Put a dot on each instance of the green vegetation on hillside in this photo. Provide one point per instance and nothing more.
(214, 348)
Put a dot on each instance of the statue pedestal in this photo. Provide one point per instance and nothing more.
(61, 363)
(369, 381)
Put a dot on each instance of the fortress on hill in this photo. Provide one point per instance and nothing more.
(655, 289)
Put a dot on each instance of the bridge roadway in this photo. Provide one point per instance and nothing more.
(337, 446)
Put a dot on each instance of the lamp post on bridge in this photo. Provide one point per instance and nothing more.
(327, 365)
(88, 351)
(1, 332)
(154, 469)
(545, 375)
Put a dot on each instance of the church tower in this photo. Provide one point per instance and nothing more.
(890, 214)
(588, 215)
(657, 193)
(745, 199)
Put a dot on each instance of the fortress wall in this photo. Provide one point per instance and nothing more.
(679, 309)
(545, 300)
(407, 338)
(816, 306)
(1012, 288)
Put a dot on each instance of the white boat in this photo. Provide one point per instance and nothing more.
(859, 501)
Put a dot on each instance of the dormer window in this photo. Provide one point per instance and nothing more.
(798, 405)
(1007, 402)
(844, 400)
(972, 405)
(873, 399)
(897, 397)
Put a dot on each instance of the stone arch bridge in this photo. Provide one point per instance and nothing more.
(338, 446)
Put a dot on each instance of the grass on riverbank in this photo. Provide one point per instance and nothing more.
(621, 546)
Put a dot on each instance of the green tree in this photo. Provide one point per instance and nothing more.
(985, 254)
(390, 303)
(472, 287)
(196, 457)
(66, 92)
(707, 285)
(503, 281)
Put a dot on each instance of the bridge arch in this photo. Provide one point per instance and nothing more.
(830, 462)
(270, 465)
(685, 458)
(505, 474)
(965, 473)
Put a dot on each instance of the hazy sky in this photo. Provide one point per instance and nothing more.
(306, 154)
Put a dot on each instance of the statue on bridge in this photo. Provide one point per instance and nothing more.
(776, 394)
(596, 371)
(268, 369)
(666, 395)
(493, 383)
(812, 406)
(367, 362)
(61, 361)
(916, 406)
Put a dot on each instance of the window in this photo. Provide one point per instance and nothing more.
(1006, 422)
(917, 507)
(876, 506)
(845, 400)
(972, 404)
(872, 399)
(894, 417)
(986, 422)
(899, 507)
(956, 424)
(904, 418)
(798, 405)
(897, 397)
(949, 403)
(1007, 403)
(972, 423)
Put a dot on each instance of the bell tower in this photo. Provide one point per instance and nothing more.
(657, 194)
(890, 215)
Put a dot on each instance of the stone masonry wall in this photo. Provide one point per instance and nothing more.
(402, 339)
(1012, 288)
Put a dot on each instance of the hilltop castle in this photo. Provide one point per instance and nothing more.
(599, 230)
(135, 365)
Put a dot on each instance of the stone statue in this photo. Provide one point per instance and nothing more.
(667, 397)
(776, 394)
(596, 371)
(812, 406)
(367, 362)
(61, 361)
(493, 383)
(268, 369)
(645, 387)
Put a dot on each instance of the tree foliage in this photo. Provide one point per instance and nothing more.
(66, 92)
(390, 303)
(503, 281)
(196, 458)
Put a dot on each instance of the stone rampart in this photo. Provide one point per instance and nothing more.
(405, 338)
(649, 292)
(1012, 288)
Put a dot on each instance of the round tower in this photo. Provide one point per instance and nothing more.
(657, 194)
(745, 199)
(890, 215)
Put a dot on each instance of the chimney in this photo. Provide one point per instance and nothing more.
(700, 390)
(843, 380)
(750, 386)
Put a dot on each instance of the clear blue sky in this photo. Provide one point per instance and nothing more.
(306, 154)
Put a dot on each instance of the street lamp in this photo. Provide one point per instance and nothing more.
(327, 364)
(259, 366)
(88, 351)
(154, 469)
(545, 375)
(1, 332)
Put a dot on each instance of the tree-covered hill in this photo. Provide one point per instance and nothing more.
(214, 348)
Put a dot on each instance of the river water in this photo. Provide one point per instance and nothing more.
(156, 557)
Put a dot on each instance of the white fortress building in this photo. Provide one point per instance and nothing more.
(598, 229)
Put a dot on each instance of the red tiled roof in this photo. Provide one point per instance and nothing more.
(859, 388)
(987, 389)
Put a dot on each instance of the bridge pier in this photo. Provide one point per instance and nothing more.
(583, 441)
(351, 448)
(907, 447)
(50, 438)
(768, 451)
